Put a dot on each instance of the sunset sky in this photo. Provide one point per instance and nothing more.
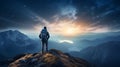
(65, 19)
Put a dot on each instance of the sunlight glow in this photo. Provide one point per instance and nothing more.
(64, 24)
(65, 28)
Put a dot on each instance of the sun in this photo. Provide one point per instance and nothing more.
(70, 31)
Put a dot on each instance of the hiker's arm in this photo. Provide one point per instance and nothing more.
(48, 35)
(40, 35)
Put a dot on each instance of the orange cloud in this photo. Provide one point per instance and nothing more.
(68, 27)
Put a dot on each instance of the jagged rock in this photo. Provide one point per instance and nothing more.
(53, 58)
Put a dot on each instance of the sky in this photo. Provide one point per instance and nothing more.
(64, 19)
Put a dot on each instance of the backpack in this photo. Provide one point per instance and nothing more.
(44, 34)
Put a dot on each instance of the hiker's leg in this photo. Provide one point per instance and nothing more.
(46, 46)
(42, 47)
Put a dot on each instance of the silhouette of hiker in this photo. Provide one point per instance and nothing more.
(44, 36)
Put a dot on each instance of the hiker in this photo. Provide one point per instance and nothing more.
(44, 36)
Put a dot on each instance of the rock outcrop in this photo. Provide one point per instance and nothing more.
(53, 58)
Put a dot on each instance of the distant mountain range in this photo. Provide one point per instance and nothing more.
(103, 55)
(94, 42)
(14, 42)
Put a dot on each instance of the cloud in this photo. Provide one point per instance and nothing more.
(67, 41)
(69, 11)
(99, 29)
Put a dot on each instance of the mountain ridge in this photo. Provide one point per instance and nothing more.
(53, 58)
(102, 55)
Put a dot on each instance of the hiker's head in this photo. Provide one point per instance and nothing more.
(45, 27)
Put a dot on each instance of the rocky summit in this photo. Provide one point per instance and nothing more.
(52, 58)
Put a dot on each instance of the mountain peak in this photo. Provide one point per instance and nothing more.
(13, 35)
(53, 58)
(12, 31)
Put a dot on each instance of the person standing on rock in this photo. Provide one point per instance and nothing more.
(44, 36)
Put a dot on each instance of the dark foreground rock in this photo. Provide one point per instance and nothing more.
(53, 58)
